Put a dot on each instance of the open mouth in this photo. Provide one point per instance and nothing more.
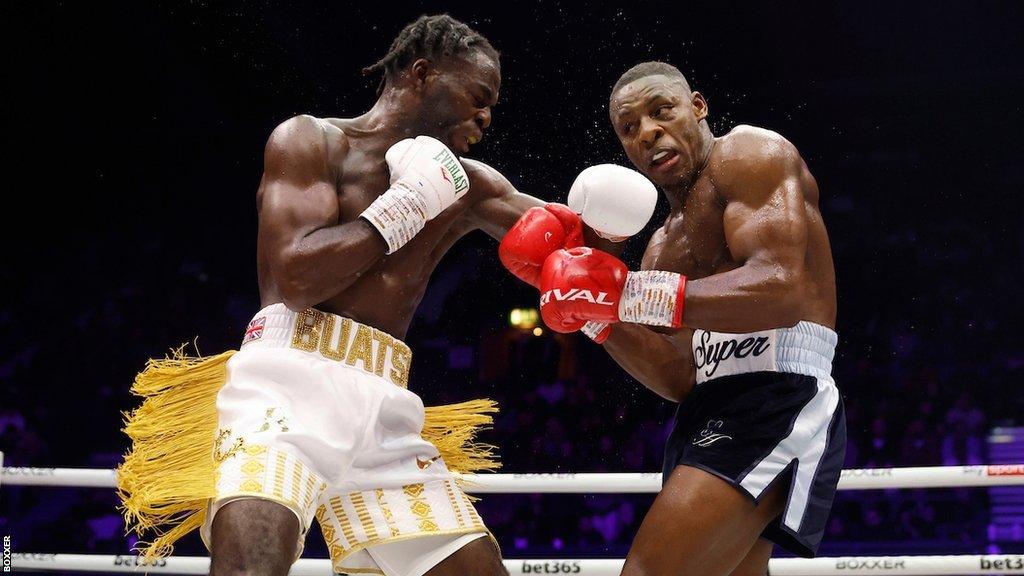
(663, 158)
(462, 143)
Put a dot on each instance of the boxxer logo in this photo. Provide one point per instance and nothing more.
(575, 294)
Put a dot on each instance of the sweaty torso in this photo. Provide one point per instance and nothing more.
(693, 239)
(386, 295)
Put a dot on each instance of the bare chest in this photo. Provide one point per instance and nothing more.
(364, 179)
(692, 241)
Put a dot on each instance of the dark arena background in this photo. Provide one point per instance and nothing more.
(134, 139)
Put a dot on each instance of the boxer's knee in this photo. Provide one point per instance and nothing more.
(253, 538)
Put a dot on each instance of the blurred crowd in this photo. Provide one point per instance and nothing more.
(916, 395)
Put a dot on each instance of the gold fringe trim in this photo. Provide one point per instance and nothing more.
(170, 472)
(452, 428)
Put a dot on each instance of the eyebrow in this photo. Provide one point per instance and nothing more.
(647, 102)
(488, 93)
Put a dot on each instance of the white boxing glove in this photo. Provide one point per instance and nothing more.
(426, 178)
(617, 202)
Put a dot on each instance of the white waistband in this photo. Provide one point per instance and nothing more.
(806, 348)
(331, 337)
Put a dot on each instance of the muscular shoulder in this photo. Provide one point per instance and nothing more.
(749, 161)
(297, 147)
(486, 182)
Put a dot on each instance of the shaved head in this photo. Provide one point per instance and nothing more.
(652, 68)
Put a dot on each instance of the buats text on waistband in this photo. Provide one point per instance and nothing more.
(334, 338)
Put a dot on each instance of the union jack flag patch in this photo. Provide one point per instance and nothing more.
(255, 329)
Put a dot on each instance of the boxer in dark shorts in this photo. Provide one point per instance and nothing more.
(732, 315)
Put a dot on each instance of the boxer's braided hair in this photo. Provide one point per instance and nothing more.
(429, 37)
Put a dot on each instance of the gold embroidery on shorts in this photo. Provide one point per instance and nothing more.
(297, 483)
(389, 518)
(401, 358)
(346, 526)
(329, 347)
(308, 498)
(364, 516)
(385, 342)
(253, 468)
(279, 475)
(362, 348)
(268, 417)
(455, 504)
(254, 449)
(420, 508)
(329, 533)
(219, 453)
(477, 522)
(307, 329)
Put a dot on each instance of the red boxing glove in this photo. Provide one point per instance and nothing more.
(539, 232)
(584, 284)
(579, 285)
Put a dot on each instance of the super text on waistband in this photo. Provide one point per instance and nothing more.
(805, 348)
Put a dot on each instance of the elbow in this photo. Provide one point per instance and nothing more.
(789, 291)
(295, 297)
(676, 389)
(293, 285)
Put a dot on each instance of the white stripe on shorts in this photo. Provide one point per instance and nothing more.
(806, 444)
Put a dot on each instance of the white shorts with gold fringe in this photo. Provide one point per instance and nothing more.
(312, 413)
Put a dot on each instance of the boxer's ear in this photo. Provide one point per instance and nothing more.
(700, 106)
(421, 72)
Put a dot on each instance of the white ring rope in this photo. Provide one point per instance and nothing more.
(874, 565)
(600, 483)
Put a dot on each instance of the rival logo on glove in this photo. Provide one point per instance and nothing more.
(575, 294)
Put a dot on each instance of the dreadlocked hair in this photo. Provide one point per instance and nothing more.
(430, 37)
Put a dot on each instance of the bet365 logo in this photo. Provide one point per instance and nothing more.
(552, 567)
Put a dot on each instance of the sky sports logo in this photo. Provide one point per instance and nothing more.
(7, 554)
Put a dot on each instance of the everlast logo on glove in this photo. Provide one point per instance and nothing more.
(575, 294)
(459, 180)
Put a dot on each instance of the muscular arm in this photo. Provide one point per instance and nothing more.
(501, 205)
(766, 231)
(308, 255)
(661, 362)
(504, 205)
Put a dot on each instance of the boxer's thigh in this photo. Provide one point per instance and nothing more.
(746, 551)
(699, 524)
(253, 536)
(477, 558)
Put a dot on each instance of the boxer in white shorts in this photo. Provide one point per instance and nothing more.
(354, 214)
(312, 418)
(316, 416)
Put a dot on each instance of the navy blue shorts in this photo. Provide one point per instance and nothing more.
(754, 428)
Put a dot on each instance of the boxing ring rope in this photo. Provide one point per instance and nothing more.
(877, 566)
(599, 483)
(590, 483)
